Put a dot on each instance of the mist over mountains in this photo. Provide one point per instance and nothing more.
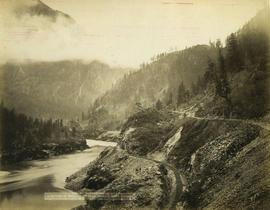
(35, 79)
(69, 87)
(38, 8)
(32, 30)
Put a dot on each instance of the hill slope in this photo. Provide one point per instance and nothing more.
(152, 82)
(227, 80)
(214, 163)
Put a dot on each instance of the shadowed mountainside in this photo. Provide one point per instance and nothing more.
(62, 89)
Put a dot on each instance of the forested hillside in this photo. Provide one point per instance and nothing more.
(228, 80)
(62, 89)
(240, 74)
(23, 137)
(156, 81)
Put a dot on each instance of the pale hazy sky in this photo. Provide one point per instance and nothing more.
(129, 32)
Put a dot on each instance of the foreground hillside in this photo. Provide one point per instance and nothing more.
(188, 163)
(55, 89)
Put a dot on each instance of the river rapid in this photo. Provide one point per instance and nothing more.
(26, 185)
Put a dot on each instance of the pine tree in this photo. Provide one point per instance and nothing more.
(159, 105)
(181, 94)
(211, 74)
(193, 89)
(170, 99)
(222, 88)
(83, 116)
(233, 53)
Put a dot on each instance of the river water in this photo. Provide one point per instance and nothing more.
(24, 185)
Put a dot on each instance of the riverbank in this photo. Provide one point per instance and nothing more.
(42, 151)
(23, 185)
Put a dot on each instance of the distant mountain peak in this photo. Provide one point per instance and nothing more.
(38, 8)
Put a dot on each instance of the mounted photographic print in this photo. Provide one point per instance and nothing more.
(134, 104)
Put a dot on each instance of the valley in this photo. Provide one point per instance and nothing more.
(188, 128)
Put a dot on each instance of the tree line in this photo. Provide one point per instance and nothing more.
(19, 131)
(238, 73)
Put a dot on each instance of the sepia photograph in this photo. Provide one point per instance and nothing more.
(134, 104)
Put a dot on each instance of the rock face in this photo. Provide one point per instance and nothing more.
(172, 141)
(225, 163)
(215, 163)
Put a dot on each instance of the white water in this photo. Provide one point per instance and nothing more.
(91, 143)
(22, 186)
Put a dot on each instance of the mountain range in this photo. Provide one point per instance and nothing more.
(55, 89)
(52, 87)
(69, 87)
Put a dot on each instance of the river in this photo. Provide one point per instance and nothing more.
(24, 185)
